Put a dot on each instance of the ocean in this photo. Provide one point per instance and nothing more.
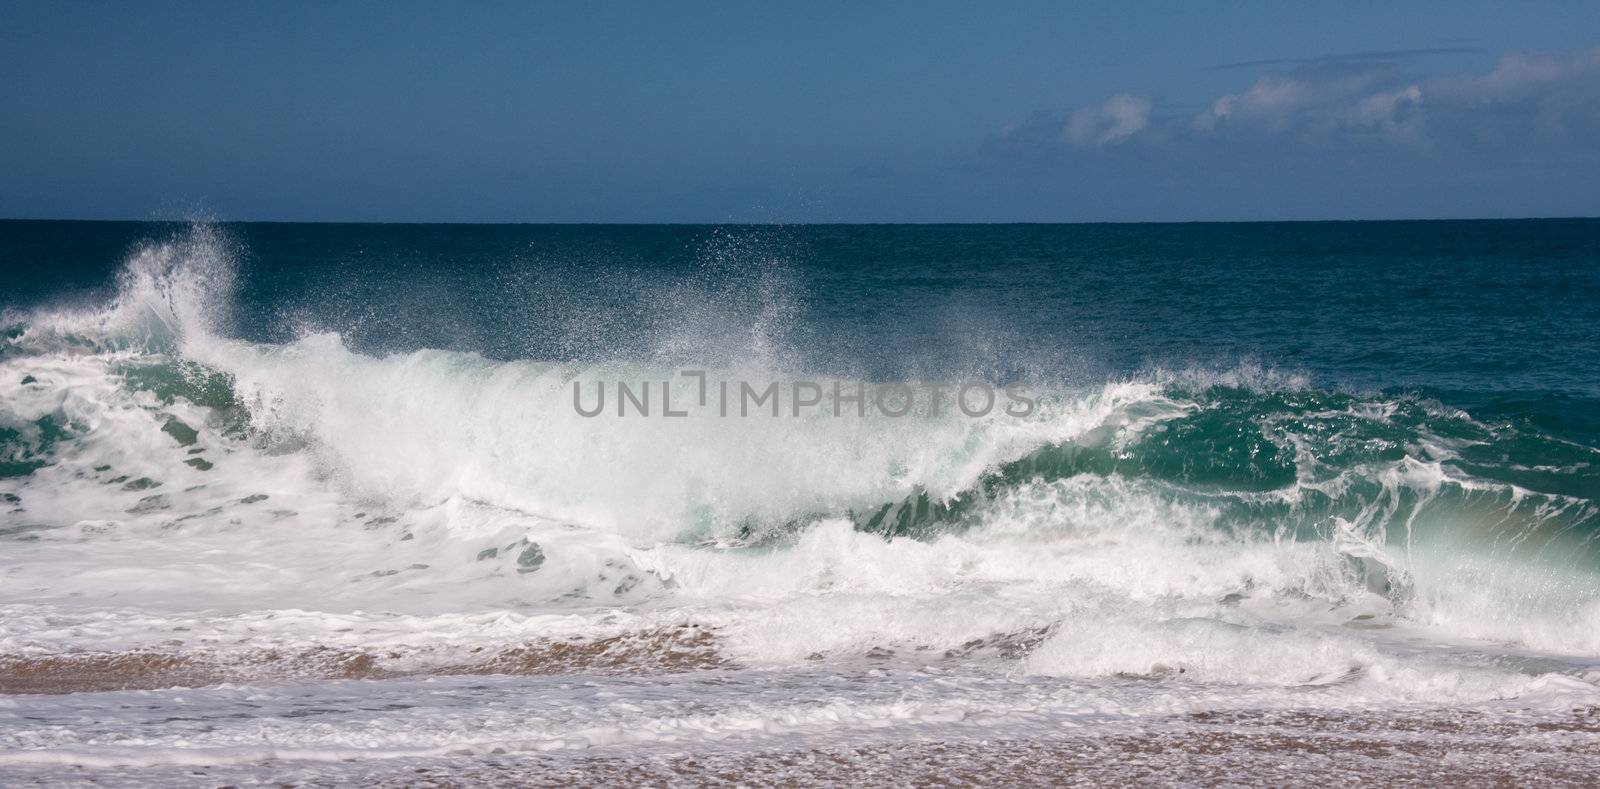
(1251, 503)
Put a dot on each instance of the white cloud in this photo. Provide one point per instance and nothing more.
(1519, 73)
(1270, 102)
(1119, 118)
(1526, 99)
(1318, 108)
(1525, 95)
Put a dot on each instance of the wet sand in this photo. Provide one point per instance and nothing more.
(1235, 750)
(674, 649)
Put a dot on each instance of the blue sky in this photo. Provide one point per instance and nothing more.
(766, 112)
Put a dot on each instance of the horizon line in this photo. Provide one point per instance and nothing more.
(748, 223)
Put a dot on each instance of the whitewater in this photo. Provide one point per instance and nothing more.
(308, 560)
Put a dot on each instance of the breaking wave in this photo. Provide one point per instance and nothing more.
(1228, 526)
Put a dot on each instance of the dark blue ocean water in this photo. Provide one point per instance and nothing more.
(1498, 314)
(1471, 305)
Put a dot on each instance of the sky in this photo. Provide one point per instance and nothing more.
(799, 112)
